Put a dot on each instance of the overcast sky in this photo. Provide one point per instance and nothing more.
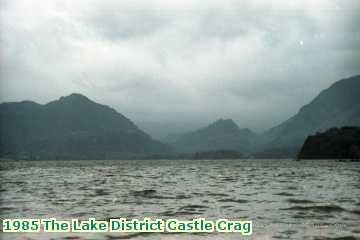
(171, 61)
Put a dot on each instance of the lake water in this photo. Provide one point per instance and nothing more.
(285, 199)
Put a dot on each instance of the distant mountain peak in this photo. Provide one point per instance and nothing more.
(224, 123)
(74, 97)
(227, 121)
(219, 135)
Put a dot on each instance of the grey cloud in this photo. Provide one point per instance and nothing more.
(173, 61)
(120, 25)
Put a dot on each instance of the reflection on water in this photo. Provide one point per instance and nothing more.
(285, 199)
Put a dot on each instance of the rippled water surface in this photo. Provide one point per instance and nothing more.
(285, 199)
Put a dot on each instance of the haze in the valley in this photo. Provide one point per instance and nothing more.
(174, 66)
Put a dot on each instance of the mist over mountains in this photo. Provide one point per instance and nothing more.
(74, 127)
(222, 134)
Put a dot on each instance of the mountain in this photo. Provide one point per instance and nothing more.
(220, 135)
(337, 106)
(73, 127)
(335, 143)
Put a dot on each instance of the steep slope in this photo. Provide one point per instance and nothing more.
(337, 106)
(220, 135)
(71, 127)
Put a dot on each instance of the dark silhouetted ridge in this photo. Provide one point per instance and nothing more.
(335, 143)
